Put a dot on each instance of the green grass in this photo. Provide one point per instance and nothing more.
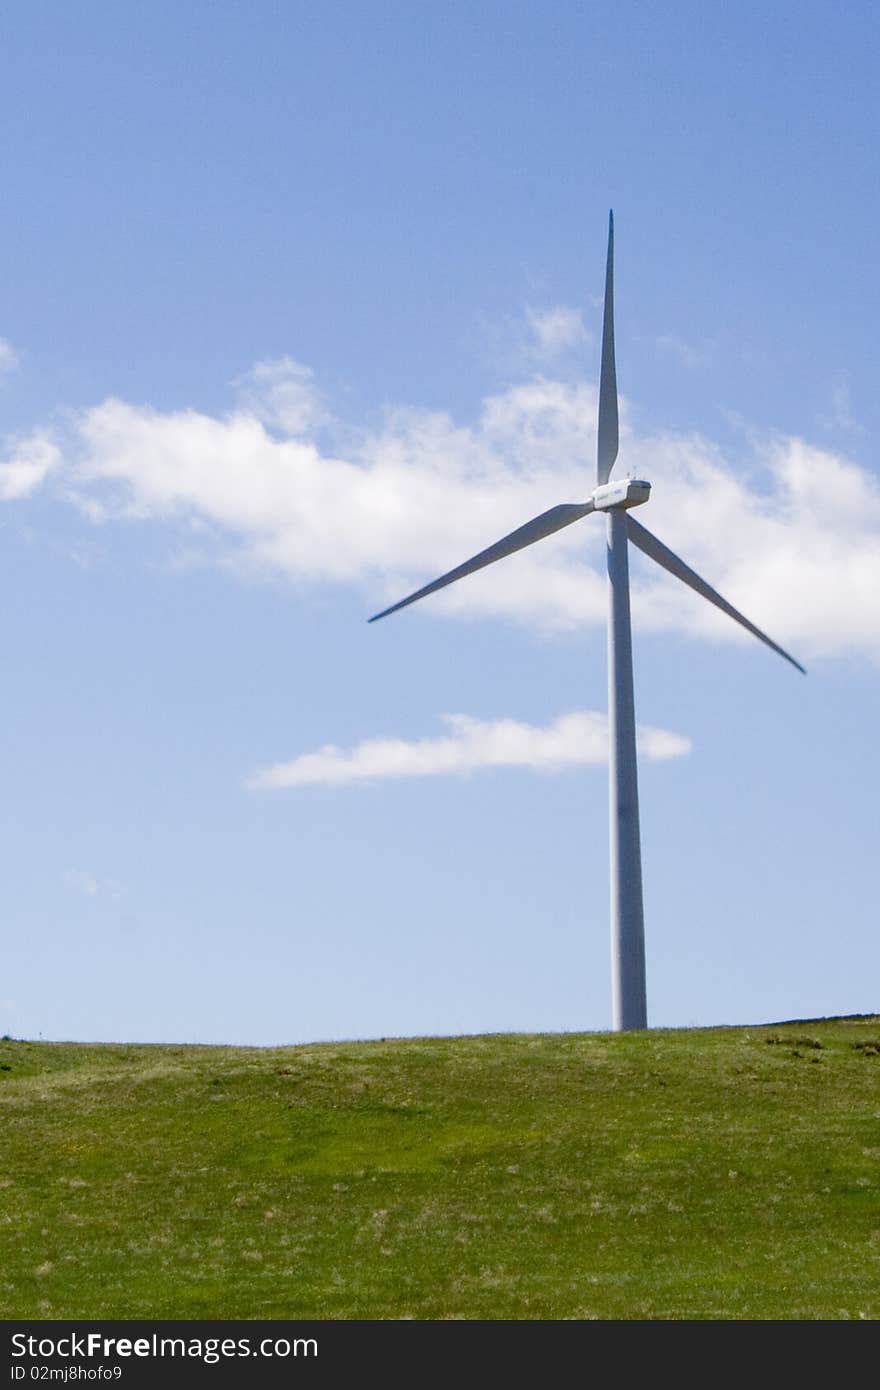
(726, 1173)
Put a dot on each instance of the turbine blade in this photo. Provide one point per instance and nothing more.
(608, 433)
(534, 530)
(650, 545)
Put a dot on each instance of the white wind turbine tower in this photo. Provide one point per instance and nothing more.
(629, 1001)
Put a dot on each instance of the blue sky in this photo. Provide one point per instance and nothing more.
(302, 307)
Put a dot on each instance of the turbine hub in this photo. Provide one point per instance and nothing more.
(624, 493)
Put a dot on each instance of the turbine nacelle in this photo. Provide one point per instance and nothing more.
(622, 494)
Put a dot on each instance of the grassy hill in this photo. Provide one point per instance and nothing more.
(722, 1173)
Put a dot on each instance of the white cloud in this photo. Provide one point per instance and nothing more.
(790, 534)
(29, 463)
(533, 338)
(556, 330)
(796, 546)
(84, 882)
(282, 394)
(420, 492)
(8, 357)
(841, 416)
(571, 740)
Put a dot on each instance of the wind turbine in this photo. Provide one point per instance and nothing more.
(615, 499)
